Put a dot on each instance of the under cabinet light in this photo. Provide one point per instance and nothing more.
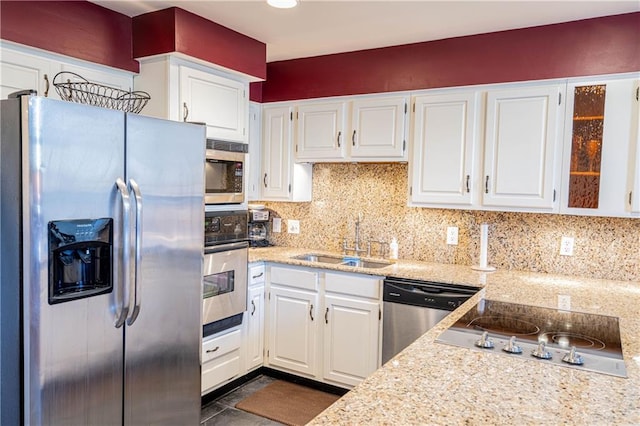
(283, 4)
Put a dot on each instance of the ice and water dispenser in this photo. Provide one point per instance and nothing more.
(80, 258)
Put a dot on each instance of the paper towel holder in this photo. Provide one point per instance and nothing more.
(484, 236)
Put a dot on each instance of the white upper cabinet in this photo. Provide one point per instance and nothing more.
(370, 129)
(219, 102)
(281, 178)
(522, 137)
(22, 68)
(378, 129)
(444, 139)
(21, 71)
(599, 148)
(634, 175)
(187, 91)
(321, 132)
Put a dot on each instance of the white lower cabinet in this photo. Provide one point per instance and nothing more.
(324, 325)
(254, 323)
(221, 359)
(351, 349)
(293, 320)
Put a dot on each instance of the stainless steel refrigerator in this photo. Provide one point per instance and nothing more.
(101, 266)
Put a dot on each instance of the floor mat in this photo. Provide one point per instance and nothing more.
(287, 403)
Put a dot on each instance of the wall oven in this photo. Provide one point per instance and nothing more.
(224, 295)
(224, 172)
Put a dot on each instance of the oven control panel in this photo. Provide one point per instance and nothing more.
(225, 227)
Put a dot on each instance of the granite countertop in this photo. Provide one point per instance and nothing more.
(433, 383)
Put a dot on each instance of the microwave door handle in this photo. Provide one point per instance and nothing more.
(122, 290)
(135, 285)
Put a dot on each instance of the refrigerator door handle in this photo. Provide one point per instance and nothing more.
(122, 308)
(135, 284)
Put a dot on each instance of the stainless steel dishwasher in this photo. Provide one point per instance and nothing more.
(412, 307)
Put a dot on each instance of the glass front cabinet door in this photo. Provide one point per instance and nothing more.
(600, 130)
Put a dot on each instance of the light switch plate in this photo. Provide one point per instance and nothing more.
(293, 226)
(452, 235)
(277, 225)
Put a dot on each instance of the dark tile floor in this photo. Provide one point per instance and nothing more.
(222, 411)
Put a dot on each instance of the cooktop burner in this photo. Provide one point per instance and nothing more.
(569, 339)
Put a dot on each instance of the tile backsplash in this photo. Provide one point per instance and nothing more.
(606, 248)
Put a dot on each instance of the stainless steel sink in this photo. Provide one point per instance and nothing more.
(360, 263)
(320, 258)
(346, 261)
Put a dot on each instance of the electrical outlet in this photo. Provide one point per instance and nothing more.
(277, 225)
(452, 235)
(293, 226)
(566, 246)
(564, 302)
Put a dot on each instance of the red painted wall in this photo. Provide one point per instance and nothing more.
(79, 29)
(594, 46)
(177, 30)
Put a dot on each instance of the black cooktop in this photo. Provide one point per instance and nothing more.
(594, 338)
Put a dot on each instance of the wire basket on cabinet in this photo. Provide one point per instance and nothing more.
(75, 88)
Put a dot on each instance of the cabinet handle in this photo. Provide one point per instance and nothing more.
(253, 305)
(258, 276)
(46, 86)
(353, 138)
(339, 135)
(468, 190)
(486, 185)
(311, 312)
(326, 316)
(186, 111)
(213, 350)
(265, 180)
(630, 196)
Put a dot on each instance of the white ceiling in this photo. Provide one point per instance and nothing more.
(319, 27)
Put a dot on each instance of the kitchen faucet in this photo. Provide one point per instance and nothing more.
(356, 248)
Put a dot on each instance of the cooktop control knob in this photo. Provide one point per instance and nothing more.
(484, 342)
(572, 357)
(541, 352)
(511, 347)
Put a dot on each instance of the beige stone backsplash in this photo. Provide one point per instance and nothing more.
(606, 248)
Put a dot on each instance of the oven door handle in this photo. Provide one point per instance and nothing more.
(226, 247)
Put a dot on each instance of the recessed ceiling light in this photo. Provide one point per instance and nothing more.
(283, 4)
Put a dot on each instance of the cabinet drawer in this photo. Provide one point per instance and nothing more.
(256, 275)
(297, 278)
(219, 345)
(355, 285)
(220, 370)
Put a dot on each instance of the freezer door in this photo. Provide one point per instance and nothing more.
(73, 353)
(165, 165)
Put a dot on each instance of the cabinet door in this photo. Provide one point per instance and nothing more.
(351, 337)
(378, 129)
(293, 330)
(601, 116)
(276, 152)
(444, 135)
(21, 71)
(255, 327)
(281, 179)
(255, 149)
(321, 132)
(219, 102)
(634, 176)
(521, 143)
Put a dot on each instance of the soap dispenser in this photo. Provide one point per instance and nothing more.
(393, 249)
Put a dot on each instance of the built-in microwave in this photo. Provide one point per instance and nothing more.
(224, 172)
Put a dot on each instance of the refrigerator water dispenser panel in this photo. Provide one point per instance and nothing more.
(80, 259)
